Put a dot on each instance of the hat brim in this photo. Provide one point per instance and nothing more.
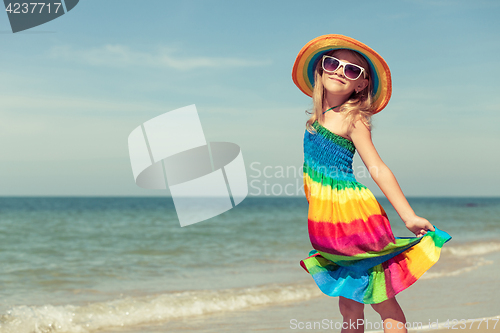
(312, 52)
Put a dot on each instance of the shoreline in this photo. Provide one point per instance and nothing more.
(458, 297)
(466, 296)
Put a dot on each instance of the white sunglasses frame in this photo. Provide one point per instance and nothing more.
(343, 63)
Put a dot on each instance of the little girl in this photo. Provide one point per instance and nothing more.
(356, 255)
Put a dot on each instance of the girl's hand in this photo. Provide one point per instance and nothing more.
(418, 225)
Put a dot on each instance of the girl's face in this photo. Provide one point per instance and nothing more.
(336, 83)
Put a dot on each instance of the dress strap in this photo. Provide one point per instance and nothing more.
(331, 108)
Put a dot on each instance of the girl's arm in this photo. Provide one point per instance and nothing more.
(383, 176)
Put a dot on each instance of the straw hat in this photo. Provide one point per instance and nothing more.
(312, 52)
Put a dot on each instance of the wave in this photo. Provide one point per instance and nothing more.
(472, 249)
(156, 309)
(472, 266)
(463, 258)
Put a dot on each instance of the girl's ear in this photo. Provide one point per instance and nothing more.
(362, 85)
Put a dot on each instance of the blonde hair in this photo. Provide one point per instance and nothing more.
(358, 106)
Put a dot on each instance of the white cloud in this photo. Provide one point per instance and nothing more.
(45, 103)
(121, 55)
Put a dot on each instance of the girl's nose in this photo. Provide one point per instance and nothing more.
(340, 70)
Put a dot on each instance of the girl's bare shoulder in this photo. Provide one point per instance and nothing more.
(359, 128)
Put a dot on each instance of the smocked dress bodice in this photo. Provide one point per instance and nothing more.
(329, 154)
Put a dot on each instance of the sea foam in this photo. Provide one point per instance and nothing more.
(154, 309)
(472, 249)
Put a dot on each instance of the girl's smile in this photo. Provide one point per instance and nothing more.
(336, 79)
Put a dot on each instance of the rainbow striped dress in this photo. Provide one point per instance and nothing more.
(355, 252)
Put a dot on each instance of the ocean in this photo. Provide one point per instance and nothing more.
(124, 264)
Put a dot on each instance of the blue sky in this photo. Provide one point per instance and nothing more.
(74, 88)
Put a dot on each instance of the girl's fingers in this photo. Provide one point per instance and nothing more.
(421, 233)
